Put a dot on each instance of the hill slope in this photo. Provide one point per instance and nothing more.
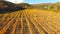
(6, 6)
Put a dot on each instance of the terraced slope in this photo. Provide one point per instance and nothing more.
(30, 21)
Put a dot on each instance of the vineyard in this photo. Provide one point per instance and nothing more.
(30, 21)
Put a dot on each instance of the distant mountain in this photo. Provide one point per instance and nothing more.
(48, 6)
(25, 5)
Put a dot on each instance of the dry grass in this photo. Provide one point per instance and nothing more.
(30, 21)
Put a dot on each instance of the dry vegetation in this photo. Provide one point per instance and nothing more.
(30, 21)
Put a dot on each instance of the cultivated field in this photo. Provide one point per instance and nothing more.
(30, 21)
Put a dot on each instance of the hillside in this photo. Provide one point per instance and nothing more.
(6, 6)
(30, 21)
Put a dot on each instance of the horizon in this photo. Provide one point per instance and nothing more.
(41, 1)
(33, 1)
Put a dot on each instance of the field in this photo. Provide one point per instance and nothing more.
(30, 21)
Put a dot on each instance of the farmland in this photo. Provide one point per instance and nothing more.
(30, 21)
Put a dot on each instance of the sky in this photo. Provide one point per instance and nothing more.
(41, 1)
(15, 1)
(33, 1)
